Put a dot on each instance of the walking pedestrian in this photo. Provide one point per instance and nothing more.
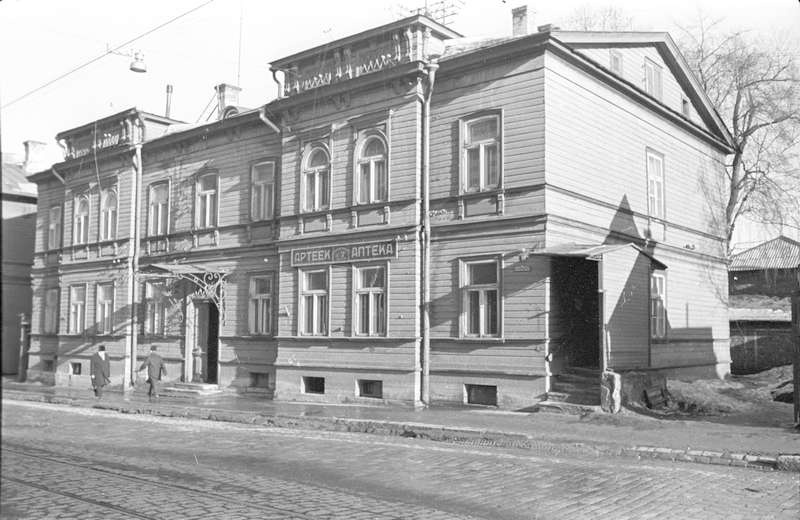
(155, 369)
(99, 371)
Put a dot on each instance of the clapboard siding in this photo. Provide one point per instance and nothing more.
(522, 292)
(475, 357)
(229, 155)
(633, 58)
(626, 282)
(594, 134)
(517, 88)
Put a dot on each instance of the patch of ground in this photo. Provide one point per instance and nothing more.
(743, 399)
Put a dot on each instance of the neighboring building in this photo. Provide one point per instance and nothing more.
(762, 280)
(19, 223)
(417, 217)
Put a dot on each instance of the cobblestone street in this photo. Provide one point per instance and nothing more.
(61, 462)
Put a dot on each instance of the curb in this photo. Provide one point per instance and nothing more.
(438, 433)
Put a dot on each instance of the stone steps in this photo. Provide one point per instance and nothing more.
(190, 389)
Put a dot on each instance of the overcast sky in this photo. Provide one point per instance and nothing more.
(43, 39)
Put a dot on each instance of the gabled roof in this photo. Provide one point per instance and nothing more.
(779, 253)
(672, 56)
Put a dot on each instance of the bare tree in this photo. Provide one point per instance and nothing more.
(755, 87)
(598, 18)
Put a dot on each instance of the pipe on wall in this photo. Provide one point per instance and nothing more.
(425, 386)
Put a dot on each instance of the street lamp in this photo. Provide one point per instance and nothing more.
(137, 65)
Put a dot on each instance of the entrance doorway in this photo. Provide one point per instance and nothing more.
(205, 349)
(575, 300)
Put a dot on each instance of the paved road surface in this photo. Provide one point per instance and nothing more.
(62, 462)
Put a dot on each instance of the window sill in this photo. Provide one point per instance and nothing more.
(314, 213)
(482, 193)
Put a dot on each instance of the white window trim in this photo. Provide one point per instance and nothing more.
(358, 160)
(316, 171)
(202, 223)
(72, 325)
(355, 306)
(167, 211)
(464, 289)
(658, 78)
(54, 227)
(250, 307)
(79, 239)
(659, 212)
(51, 309)
(253, 185)
(301, 293)
(658, 321)
(99, 319)
(160, 309)
(106, 234)
(464, 124)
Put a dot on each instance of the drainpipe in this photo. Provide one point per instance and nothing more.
(425, 384)
(133, 261)
(262, 114)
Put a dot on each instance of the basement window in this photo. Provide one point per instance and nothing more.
(313, 385)
(259, 380)
(481, 394)
(370, 388)
(76, 369)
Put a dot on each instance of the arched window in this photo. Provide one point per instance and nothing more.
(108, 215)
(316, 180)
(373, 185)
(81, 228)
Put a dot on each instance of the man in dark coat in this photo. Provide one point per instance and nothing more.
(99, 371)
(155, 368)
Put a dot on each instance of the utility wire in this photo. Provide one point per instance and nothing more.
(109, 51)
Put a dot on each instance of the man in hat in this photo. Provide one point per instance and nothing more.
(99, 371)
(155, 368)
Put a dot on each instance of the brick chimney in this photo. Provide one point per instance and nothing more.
(34, 156)
(521, 21)
(227, 96)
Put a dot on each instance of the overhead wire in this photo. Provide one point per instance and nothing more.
(109, 51)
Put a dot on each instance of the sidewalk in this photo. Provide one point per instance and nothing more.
(626, 434)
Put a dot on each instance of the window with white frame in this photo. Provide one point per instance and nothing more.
(316, 180)
(481, 303)
(155, 308)
(261, 304)
(370, 300)
(77, 309)
(481, 163)
(314, 302)
(51, 305)
(655, 184)
(262, 178)
(658, 311)
(158, 213)
(105, 308)
(372, 178)
(108, 215)
(652, 78)
(207, 199)
(81, 229)
(54, 228)
(616, 62)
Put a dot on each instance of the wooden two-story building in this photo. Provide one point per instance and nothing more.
(418, 217)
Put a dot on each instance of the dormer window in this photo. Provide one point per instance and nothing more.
(616, 62)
